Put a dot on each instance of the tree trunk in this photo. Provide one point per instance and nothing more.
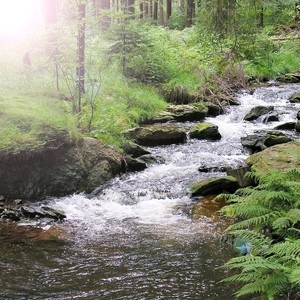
(169, 9)
(190, 13)
(80, 70)
(155, 10)
(161, 12)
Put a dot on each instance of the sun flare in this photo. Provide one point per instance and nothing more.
(18, 17)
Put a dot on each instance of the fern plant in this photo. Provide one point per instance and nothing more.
(269, 224)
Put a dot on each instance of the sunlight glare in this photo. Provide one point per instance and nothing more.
(18, 17)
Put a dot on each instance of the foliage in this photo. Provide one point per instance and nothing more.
(269, 222)
(34, 123)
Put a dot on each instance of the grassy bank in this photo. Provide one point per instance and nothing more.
(125, 85)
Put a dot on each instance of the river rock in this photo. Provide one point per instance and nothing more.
(155, 135)
(261, 141)
(286, 126)
(297, 126)
(213, 109)
(239, 174)
(214, 186)
(257, 112)
(205, 131)
(271, 117)
(290, 78)
(181, 113)
(277, 158)
(133, 164)
(59, 172)
(135, 150)
(295, 98)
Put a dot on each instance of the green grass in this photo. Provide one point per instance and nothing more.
(32, 123)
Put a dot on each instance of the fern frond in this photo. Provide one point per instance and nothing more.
(290, 249)
(260, 222)
(294, 277)
(294, 215)
(281, 224)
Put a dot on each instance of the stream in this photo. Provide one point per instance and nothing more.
(138, 238)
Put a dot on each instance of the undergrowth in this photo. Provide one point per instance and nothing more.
(269, 225)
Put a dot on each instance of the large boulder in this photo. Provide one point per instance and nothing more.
(205, 131)
(156, 135)
(59, 172)
(260, 141)
(181, 113)
(295, 98)
(213, 186)
(257, 112)
(277, 158)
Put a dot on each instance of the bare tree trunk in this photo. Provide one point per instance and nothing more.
(161, 12)
(169, 9)
(190, 12)
(155, 10)
(80, 70)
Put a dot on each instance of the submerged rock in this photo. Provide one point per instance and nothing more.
(155, 135)
(214, 186)
(205, 131)
(257, 112)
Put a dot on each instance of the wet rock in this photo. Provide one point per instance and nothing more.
(239, 174)
(286, 126)
(232, 101)
(150, 159)
(133, 164)
(295, 98)
(277, 158)
(11, 215)
(157, 135)
(214, 186)
(135, 150)
(53, 213)
(205, 131)
(261, 141)
(297, 126)
(257, 112)
(212, 169)
(275, 138)
(272, 117)
(213, 109)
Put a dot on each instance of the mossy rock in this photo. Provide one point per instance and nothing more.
(295, 98)
(156, 135)
(257, 112)
(205, 131)
(214, 186)
(277, 158)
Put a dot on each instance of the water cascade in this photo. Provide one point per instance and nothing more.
(137, 238)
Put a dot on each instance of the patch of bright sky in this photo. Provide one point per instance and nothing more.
(19, 17)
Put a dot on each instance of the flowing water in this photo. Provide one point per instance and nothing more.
(138, 238)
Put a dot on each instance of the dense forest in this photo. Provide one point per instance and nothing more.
(99, 67)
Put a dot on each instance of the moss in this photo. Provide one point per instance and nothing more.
(281, 157)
